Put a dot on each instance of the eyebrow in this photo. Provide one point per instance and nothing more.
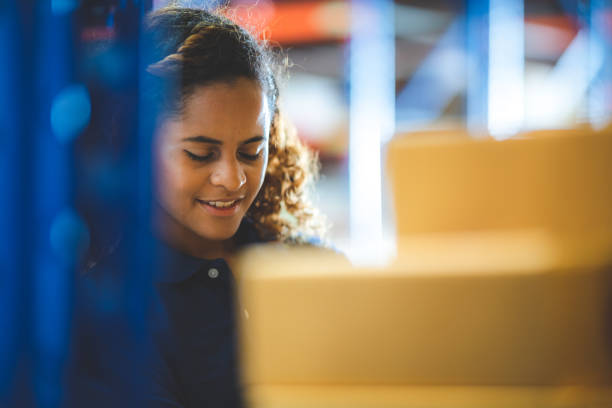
(205, 139)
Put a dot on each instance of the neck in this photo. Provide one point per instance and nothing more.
(183, 239)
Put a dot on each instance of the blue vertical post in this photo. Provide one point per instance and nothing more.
(477, 51)
(43, 109)
(58, 235)
(11, 180)
(372, 117)
(111, 292)
(600, 61)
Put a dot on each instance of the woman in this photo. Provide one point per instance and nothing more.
(222, 84)
(226, 168)
(227, 173)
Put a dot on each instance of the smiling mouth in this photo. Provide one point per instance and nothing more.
(220, 204)
(221, 208)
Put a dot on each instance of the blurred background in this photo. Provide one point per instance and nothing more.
(360, 73)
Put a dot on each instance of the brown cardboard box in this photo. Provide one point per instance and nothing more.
(500, 296)
(555, 180)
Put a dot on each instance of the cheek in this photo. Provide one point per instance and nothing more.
(174, 180)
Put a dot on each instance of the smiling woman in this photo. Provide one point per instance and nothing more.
(228, 171)
(211, 163)
(215, 88)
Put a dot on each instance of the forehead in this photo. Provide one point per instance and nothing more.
(230, 110)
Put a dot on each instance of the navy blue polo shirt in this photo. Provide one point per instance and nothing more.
(188, 357)
(195, 334)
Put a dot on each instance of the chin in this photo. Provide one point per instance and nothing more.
(217, 237)
(218, 234)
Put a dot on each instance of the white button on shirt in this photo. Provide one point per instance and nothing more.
(213, 273)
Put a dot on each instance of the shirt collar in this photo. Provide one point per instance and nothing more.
(173, 266)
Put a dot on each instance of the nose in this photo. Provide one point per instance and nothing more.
(228, 174)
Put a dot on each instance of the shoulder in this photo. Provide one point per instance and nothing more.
(306, 240)
(313, 241)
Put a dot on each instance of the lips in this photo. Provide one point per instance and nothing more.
(222, 208)
(220, 204)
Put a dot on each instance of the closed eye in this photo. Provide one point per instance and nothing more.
(250, 157)
(199, 158)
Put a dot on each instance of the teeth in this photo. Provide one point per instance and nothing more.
(221, 204)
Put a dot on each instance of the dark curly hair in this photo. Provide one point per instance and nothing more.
(190, 48)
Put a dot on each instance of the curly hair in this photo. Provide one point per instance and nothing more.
(192, 48)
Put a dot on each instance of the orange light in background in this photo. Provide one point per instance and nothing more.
(295, 23)
(549, 36)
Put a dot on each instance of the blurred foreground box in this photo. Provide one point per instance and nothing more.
(561, 180)
(321, 334)
(478, 310)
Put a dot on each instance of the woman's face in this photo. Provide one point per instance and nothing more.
(211, 160)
